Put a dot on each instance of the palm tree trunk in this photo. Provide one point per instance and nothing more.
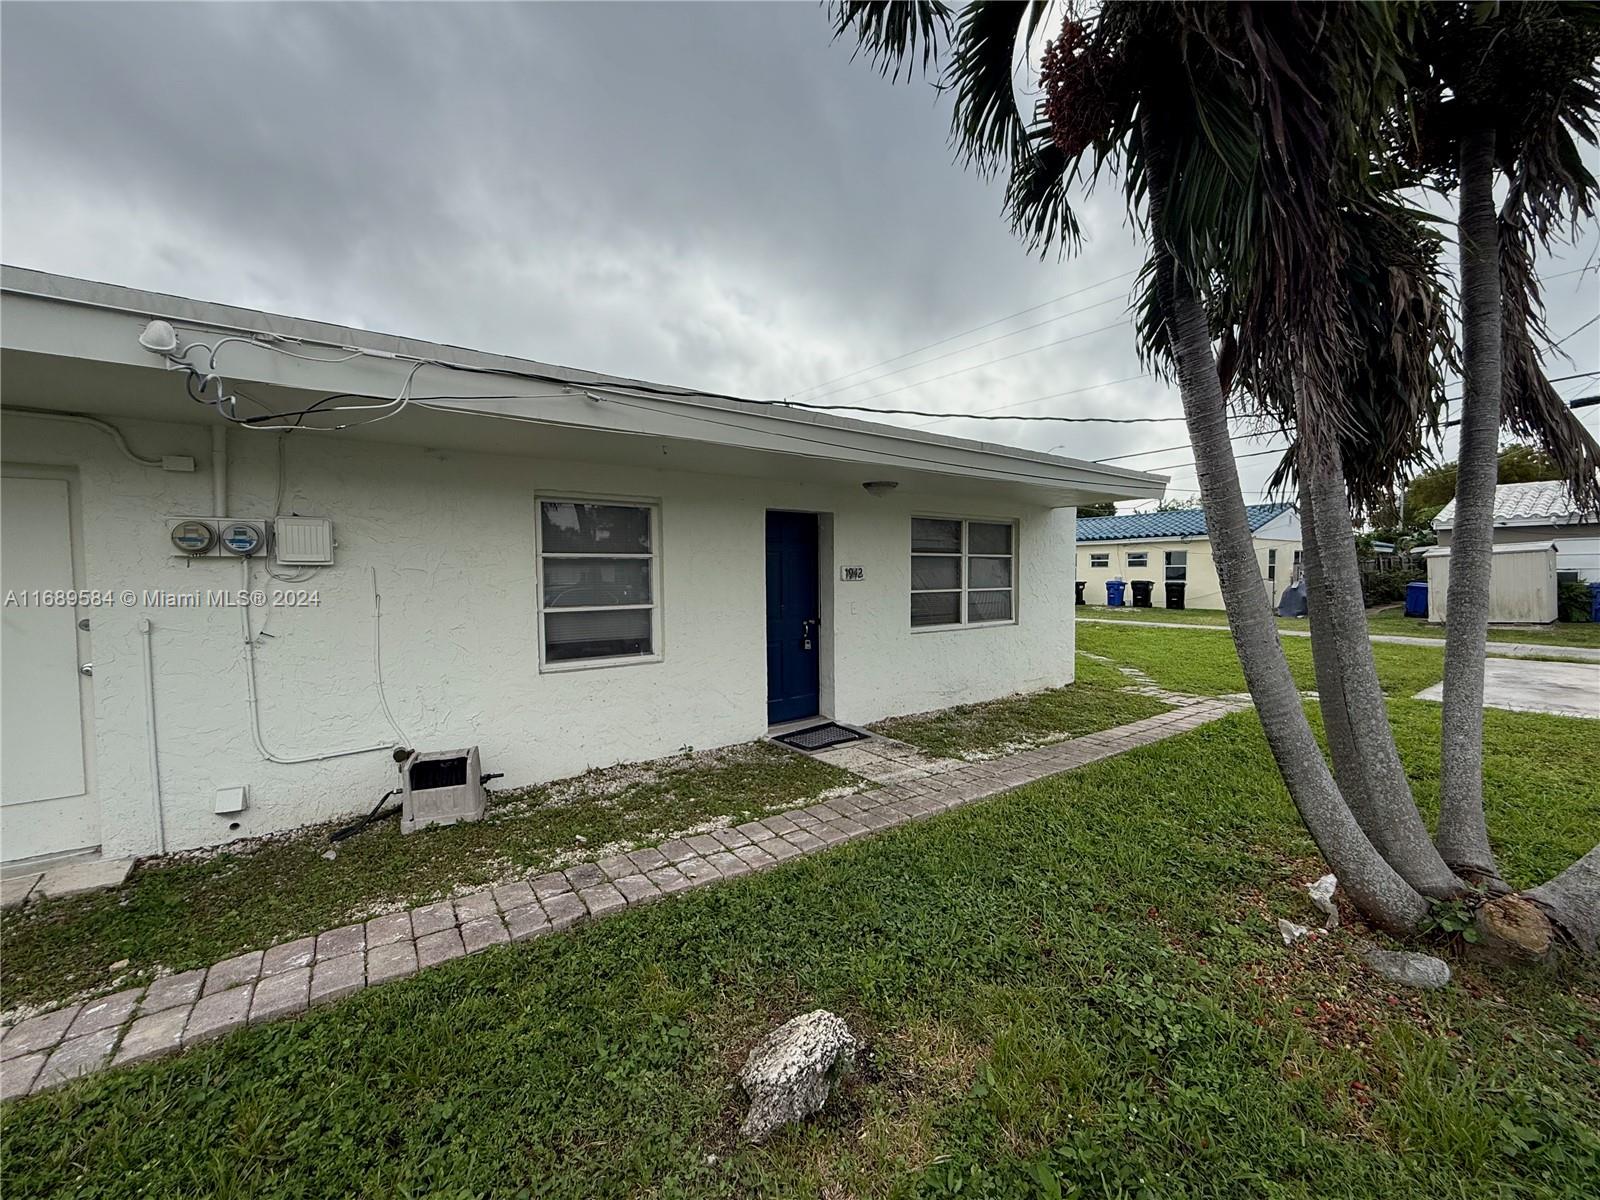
(1325, 662)
(1572, 899)
(1463, 836)
(1381, 894)
(1354, 712)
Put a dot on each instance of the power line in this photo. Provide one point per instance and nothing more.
(1275, 433)
(1581, 402)
(975, 346)
(1074, 391)
(975, 329)
(922, 412)
(1575, 332)
(1076, 337)
(1037, 399)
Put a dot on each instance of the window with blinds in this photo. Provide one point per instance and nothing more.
(962, 572)
(597, 581)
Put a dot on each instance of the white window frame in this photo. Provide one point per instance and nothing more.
(1168, 566)
(650, 505)
(1105, 560)
(1142, 555)
(963, 556)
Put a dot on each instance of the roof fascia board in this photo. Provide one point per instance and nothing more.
(108, 332)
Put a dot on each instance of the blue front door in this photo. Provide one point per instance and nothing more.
(793, 645)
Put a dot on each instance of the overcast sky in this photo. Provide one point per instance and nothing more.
(707, 195)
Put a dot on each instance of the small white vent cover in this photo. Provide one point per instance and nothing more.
(303, 541)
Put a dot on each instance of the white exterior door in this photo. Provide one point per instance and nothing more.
(47, 800)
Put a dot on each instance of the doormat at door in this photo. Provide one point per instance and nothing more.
(820, 737)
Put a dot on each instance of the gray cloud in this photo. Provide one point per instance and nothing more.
(711, 195)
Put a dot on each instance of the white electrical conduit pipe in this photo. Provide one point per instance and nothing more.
(377, 658)
(157, 815)
(219, 475)
(167, 462)
(255, 705)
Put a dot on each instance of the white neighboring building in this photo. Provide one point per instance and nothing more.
(1541, 512)
(574, 569)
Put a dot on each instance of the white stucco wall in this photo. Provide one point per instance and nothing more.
(452, 538)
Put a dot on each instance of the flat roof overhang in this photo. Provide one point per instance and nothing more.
(79, 352)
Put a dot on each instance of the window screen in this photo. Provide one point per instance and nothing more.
(597, 580)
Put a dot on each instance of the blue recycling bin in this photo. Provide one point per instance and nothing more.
(1114, 592)
(1417, 599)
(1594, 601)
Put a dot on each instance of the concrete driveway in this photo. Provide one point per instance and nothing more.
(1561, 689)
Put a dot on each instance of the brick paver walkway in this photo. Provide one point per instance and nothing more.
(250, 989)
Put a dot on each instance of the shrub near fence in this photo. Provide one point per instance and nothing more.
(1388, 587)
(1573, 601)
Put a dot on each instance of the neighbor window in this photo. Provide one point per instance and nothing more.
(1099, 560)
(1272, 565)
(597, 571)
(1138, 558)
(962, 572)
(1177, 566)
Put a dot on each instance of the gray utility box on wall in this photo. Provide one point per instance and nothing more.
(440, 789)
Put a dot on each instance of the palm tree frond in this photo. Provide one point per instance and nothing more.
(892, 34)
(1037, 201)
(986, 126)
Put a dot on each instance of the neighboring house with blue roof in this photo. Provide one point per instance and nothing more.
(1173, 548)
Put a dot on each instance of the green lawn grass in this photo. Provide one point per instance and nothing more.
(1073, 989)
(1379, 620)
(1094, 701)
(192, 911)
(1562, 633)
(1204, 662)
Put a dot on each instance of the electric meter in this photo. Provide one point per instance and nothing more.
(193, 537)
(242, 538)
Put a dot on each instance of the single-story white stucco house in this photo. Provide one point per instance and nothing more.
(562, 568)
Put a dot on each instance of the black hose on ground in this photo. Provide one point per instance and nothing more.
(377, 814)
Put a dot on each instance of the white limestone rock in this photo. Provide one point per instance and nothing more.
(1409, 969)
(788, 1076)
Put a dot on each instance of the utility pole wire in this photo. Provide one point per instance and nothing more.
(975, 329)
(963, 349)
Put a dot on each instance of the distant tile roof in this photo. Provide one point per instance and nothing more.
(1185, 522)
(1546, 501)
